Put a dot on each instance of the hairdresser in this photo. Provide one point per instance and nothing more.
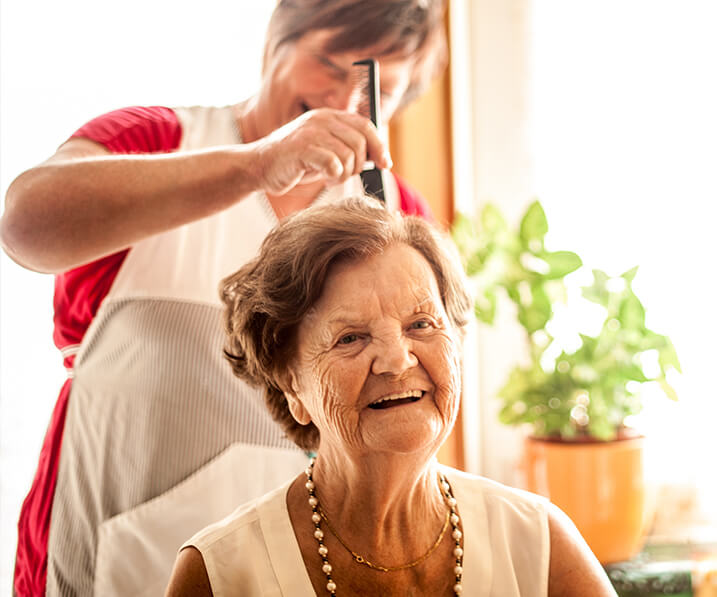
(140, 214)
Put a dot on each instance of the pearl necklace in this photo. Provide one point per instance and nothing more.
(324, 552)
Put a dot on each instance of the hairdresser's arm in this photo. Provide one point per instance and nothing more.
(84, 203)
(574, 570)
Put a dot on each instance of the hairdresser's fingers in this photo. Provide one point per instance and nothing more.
(376, 148)
(354, 141)
(313, 163)
(350, 163)
(357, 131)
(322, 163)
(280, 157)
(323, 144)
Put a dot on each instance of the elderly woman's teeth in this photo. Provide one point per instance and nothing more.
(396, 399)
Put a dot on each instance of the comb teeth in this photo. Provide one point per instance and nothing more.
(365, 101)
(364, 97)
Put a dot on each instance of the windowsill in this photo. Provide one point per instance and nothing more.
(670, 567)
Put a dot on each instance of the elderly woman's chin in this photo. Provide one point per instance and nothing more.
(418, 427)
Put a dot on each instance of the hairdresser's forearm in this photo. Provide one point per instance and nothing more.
(67, 212)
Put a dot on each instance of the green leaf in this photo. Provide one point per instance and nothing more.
(631, 313)
(465, 235)
(492, 221)
(600, 278)
(561, 263)
(600, 428)
(534, 225)
(650, 340)
(513, 387)
(474, 264)
(667, 356)
(535, 315)
(585, 373)
(587, 349)
(629, 275)
(506, 415)
(633, 372)
(597, 292)
(463, 224)
(541, 301)
(513, 292)
(485, 307)
(668, 389)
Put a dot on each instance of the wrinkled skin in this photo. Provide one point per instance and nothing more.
(378, 329)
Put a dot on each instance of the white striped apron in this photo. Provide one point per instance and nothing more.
(161, 439)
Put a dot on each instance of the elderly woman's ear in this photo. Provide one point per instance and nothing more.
(296, 407)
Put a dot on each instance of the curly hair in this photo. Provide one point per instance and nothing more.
(269, 296)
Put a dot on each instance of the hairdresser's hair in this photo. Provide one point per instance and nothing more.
(403, 27)
(268, 297)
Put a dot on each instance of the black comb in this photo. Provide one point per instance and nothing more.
(366, 91)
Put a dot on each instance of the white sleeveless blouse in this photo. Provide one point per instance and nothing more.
(253, 552)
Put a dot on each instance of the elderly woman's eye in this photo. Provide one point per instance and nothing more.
(348, 339)
(421, 324)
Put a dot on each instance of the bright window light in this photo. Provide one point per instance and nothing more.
(624, 142)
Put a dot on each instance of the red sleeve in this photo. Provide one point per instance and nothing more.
(412, 204)
(78, 295)
(135, 130)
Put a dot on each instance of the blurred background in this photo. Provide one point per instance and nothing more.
(604, 111)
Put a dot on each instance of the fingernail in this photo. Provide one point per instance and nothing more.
(387, 158)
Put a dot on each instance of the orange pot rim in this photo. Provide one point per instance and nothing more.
(585, 441)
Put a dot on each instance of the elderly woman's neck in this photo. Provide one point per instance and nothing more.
(391, 490)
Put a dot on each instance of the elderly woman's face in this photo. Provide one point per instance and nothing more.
(304, 76)
(377, 366)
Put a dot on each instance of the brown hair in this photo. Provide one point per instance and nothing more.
(268, 297)
(404, 27)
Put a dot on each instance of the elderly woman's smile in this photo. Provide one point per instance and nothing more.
(396, 399)
(375, 366)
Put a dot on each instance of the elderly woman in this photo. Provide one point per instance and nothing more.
(351, 319)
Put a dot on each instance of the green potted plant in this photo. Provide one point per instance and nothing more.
(579, 386)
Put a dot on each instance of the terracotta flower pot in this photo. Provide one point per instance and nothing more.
(600, 485)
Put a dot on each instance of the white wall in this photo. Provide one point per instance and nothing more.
(61, 63)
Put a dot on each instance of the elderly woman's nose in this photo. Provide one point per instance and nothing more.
(393, 357)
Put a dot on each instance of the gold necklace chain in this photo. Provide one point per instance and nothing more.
(361, 560)
(327, 568)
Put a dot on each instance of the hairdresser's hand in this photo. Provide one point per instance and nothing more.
(321, 145)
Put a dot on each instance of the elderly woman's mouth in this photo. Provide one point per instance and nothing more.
(397, 399)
